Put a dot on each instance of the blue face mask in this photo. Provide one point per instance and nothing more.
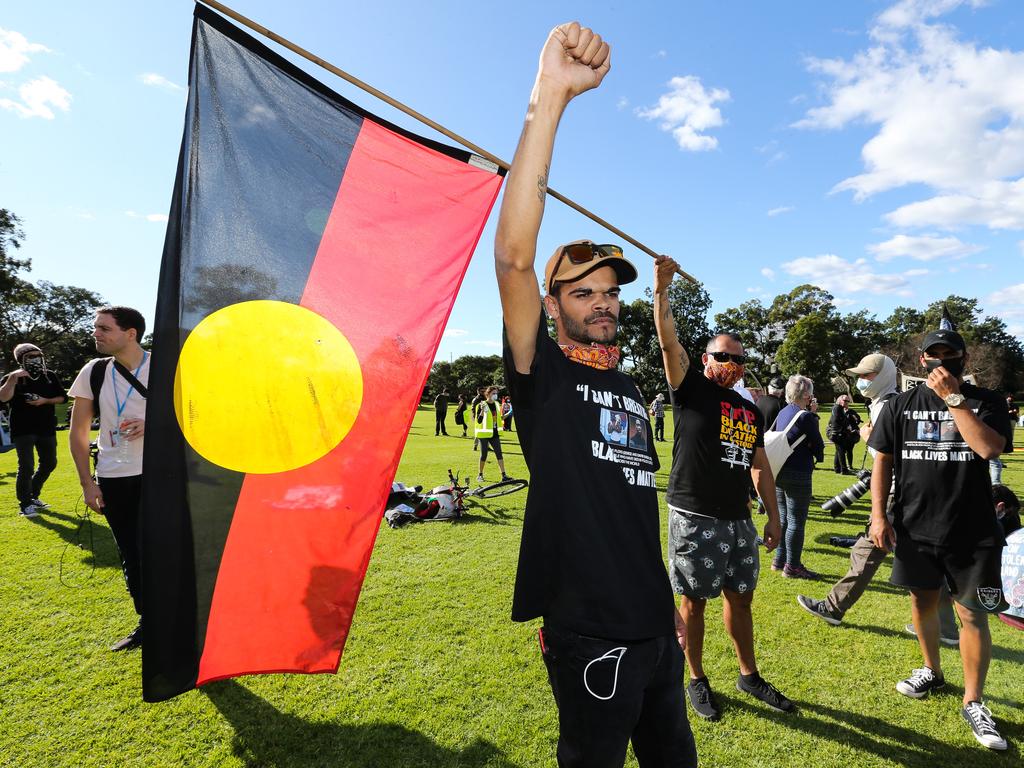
(862, 385)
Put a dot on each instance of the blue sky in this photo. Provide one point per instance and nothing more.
(873, 148)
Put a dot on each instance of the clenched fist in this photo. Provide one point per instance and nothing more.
(574, 59)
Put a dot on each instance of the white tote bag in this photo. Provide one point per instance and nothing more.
(777, 446)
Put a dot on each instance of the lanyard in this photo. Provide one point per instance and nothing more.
(131, 387)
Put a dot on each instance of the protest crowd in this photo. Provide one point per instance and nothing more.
(623, 636)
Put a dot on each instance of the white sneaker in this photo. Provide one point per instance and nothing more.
(982, 725)
(40, 503)
(30, 511)
(479, 478)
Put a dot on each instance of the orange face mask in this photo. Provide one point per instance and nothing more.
(600, 356)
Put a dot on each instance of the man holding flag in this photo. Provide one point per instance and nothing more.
(590, 561)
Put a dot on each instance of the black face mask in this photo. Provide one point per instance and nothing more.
(955, 365)
(34, 365)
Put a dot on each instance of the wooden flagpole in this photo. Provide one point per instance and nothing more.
(246, 22)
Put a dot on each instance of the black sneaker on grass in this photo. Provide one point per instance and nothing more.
(764, 692)
(920, 683)
(984, 727)
(818, 608)
(702, 699)
(134, 640)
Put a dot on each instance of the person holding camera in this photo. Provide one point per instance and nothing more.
(32, 391)
(843, 431)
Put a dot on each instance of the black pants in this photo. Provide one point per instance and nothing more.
(659, 427)
(29, 483)
(122, 497)
(439, 417)
(612, 692)
(840, 462)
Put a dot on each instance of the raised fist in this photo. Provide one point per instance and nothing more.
(574, 59)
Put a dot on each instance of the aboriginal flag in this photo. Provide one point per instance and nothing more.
(312, 257)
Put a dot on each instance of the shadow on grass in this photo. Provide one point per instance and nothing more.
(88, 534)
(998, 651)
(883, 739)
(264, 736)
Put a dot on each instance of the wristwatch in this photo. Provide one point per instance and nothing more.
(954, 400)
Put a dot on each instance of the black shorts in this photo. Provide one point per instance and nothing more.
(973, 577)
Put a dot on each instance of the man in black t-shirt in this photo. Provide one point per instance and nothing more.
(717, 457)
(32, 391)
(770, 404)
(937, 440)
(440, 413)
(590, 561)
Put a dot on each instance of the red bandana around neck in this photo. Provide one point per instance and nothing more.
(603, 356)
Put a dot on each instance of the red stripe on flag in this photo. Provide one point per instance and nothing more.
(393, 254)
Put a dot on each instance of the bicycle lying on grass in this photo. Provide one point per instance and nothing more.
(445, 502)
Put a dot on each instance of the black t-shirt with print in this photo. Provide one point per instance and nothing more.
(28, 419)
(590, 559)
(717, 431)
(943, 492)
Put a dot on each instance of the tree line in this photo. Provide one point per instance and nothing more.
(56, 318)
(801, 331)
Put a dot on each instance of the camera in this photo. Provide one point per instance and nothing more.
(31, 397)
(842, 501)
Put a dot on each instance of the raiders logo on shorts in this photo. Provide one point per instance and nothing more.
(990, 597)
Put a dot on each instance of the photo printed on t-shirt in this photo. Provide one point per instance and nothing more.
(614, 426)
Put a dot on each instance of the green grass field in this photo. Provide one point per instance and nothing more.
(435, 673)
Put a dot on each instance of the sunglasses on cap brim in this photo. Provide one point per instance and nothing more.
(582, 253)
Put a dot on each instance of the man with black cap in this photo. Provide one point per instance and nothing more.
(32, 391)
(590, 561)
(877, 379)
(937, 439)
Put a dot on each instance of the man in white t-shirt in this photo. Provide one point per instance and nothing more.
(118, 381)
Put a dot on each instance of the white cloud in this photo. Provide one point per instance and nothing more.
(834, 273)
(923, 248)
(949, 115)
(688, 110)
(14, 50)
(159, 81)
(454, 333)
(1008, 304)
(622, 103)
(37, 98)
(158, 217)
(660, 54)
(840, 302)
(755, 289)
(768, 272)
(489, 343)
(781, 209)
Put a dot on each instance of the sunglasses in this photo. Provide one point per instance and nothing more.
(582, 253)
(723, 357)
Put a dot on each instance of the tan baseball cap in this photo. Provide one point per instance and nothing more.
(568, 272)
(868, 364)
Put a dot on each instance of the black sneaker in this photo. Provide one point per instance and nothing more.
(984, 727)
(920, 683)
(817, 607)
(134, 640)
(765, 692)
(702, 699)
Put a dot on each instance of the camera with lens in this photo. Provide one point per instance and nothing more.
(844, 499)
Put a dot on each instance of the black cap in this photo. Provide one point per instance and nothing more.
(777, 383)
(951, 339)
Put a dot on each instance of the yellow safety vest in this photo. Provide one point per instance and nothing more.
(484, 428)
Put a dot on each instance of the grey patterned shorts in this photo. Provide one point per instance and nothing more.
(706, 555)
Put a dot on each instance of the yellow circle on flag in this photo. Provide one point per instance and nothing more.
(266, 386)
